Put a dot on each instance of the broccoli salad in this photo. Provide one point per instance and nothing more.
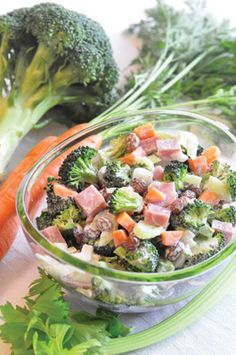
(147, 202)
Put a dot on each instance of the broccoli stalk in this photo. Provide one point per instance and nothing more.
(176, 172)
(50, 56)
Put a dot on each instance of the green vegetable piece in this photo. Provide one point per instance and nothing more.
(68, 218)
(124, 200)
(116, 174)
(144, 259)
(176, 172)
(227, 214)
(147, 231)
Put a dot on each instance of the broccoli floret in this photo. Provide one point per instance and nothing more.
(44, 220)
(175, 171)
(50, 56)
(227, 214)
(226, 175)
(80, 167)
(106, 250)
(144, 258)
(116, 174)
(215, 245)
(56, 204)
(68, 218)
(193, 216)
(124, 200)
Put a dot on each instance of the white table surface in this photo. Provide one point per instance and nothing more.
(213, 334)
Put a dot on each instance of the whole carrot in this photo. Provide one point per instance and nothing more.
(8, 222)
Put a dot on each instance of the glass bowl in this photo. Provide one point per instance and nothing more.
(114, 289)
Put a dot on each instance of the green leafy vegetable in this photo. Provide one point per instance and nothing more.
(45, 325)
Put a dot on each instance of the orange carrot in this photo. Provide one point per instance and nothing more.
(212, 153)
(119, 237)
(131, 157)
(8, 222)
(198, 165)
(125, 221)
(170, 238)
(63, 191)
(154, 195)
(210, 198)
(145, 131)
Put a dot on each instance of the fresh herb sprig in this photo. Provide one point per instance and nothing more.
(45, 325)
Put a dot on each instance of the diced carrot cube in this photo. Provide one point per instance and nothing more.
(125, 221)
(212, 153)
(171, 238)
(210, 198)
(119, 237)
(145, 131)
(154, 195)
(198, 165)
(63, 191)
(131, 157)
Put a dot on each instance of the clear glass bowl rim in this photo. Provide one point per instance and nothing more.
(118, 275)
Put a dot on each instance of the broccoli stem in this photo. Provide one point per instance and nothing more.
(16, 122)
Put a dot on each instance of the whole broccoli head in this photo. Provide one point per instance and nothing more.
(116, 174)
(224, 214)
(68, 218)
(80, 167)
(51, 56)
(193, 216)
(176, 172)
(124, 200)
(144, 259)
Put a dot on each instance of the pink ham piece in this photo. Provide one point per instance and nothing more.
(91, 201)
(226, 228)
(158, 172)
(168, 189)
(53, 234)
(149, 145)
(166, 147)
(156, 215)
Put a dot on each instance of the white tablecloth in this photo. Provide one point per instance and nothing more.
(213, 334)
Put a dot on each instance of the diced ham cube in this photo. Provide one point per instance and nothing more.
(226, 228)
(53, 234)
(149, 145)
(168, 189)
(91, 201)
(156, 215)
(158, 172)
(166, 147)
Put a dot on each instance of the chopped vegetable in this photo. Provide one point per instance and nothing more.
(170, 238)
(193, 216)
(176, 172)
(143, 259)
(147, 231)
(145, 131)
(198, 165)
(119, 237)
(130, 158)
(125, 200)
(116, 174)
(212, 153)
(227, 214)
(193, 180)
(125, 221)
(211, 198)
(154, 195)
